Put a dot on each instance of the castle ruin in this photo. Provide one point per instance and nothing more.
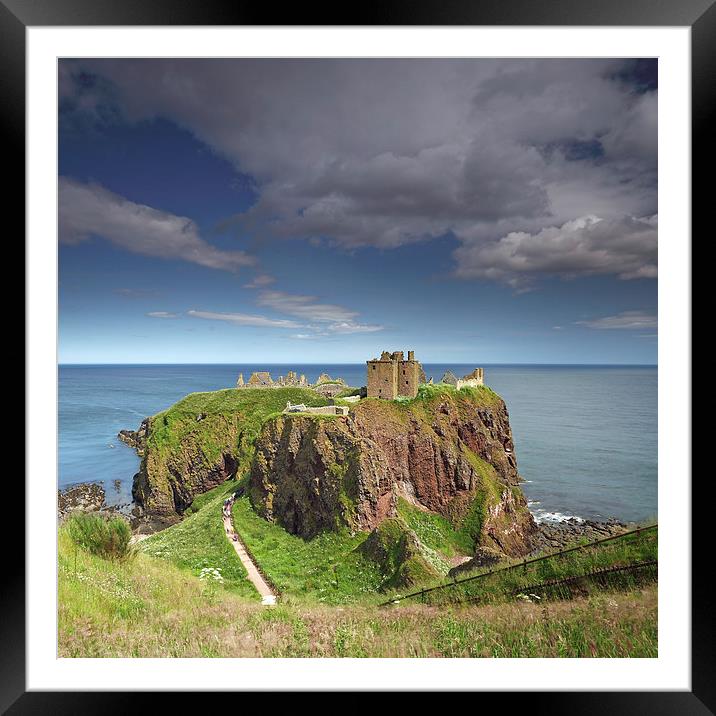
(477, 377)
(392, 375)
(321, 410)
(263, 379)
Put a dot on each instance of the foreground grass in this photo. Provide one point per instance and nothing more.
(146, 607)
(326, 569)
(198, 542)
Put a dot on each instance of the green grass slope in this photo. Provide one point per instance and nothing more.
(327, 569)
(499, 586)
(199, 542)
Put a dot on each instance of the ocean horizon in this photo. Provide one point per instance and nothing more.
(585, 434)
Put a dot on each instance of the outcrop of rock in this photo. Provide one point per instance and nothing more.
(198, 443)
(450, 452)
(136, 439)
(169, 478)
(560, 535)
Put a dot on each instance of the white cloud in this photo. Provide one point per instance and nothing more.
(351, 327)
(319, 319)
(627, 320)
(87, 210)
(136, 292)
(245, 319)
(323, 318)
(260, 281)
(162, 314)
(306, 307)
(624, 246)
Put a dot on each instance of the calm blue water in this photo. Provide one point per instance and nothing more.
(585, 436)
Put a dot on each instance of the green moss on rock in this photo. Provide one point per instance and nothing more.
(397, 550)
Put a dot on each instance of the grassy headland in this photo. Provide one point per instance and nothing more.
(183, 591)
(245, 410)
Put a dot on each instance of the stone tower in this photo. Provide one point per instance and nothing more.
(392, 375)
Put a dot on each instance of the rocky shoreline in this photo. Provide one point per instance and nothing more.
(91, 497)
(82, 497)
(136, 439)
(554, 536)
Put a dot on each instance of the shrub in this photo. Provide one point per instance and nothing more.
(106, 537)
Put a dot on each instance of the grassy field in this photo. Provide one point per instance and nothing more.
(326, 569)
(147, 607)
(198, 542)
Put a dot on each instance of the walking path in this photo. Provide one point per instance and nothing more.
(267, 594)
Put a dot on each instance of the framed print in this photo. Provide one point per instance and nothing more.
(359, 352)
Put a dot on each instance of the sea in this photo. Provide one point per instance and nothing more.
(585, 436)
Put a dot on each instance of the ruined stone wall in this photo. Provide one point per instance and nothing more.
(382, 379)
(321, 410)
(408, 378)
(477, 377)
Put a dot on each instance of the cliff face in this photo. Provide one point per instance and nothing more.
(449, 453)
(200, 442)
(169, 479)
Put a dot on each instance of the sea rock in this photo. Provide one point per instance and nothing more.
(136, 439)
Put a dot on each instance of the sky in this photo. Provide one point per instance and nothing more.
(324, 210)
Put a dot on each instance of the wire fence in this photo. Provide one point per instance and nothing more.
(626, 553)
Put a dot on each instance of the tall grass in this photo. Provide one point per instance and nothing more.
(151, 607)
(106, 537)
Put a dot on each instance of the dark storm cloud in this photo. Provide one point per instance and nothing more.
(388, 152)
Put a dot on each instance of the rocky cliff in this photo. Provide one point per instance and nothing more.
(200, 442)
(448, 453)
(169, 479)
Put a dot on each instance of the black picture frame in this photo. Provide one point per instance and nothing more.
(699, 15)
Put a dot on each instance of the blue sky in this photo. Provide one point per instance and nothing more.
(320, 211)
